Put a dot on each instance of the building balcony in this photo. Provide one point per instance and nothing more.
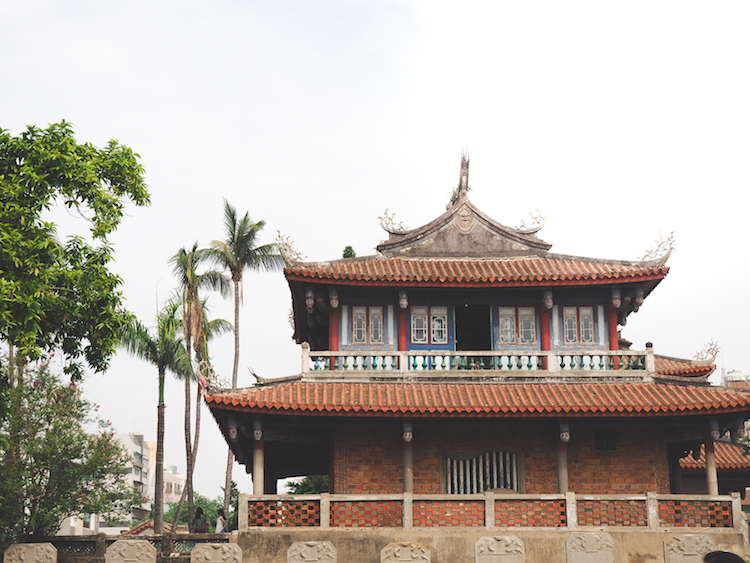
(504, 363)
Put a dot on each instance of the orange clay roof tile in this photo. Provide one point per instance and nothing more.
(484, 399)
(728, 457)
(481, 272)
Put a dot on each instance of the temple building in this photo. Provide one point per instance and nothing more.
(465, 360)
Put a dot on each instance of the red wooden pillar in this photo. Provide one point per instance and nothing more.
(333, 330)
(545, 330)
(614, 345)
(402, 332)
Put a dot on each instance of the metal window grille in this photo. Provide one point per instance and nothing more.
(491, 470)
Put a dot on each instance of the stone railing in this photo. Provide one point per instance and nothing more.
(490, 510)
(525, 361)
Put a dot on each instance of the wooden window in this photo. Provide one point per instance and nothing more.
(376, 325)
(517, 325)
(586, 315)
(429, 325)
(439, 325)
(367, 325)
(419, 325)
(359, 325)
(578, 325)
(490, 470)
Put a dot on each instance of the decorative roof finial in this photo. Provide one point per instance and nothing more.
(708, 354)
(664, 247)
(463, 182)
(288, 252)
(461, 191)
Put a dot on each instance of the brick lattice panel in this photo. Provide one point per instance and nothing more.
(695, 514)
(275, 514)
(366, 514)
(612, 513)
(428, 514)
(531, 514)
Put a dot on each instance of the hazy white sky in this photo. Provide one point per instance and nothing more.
(618, 120)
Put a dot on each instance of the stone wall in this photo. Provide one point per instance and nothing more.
(464, 546)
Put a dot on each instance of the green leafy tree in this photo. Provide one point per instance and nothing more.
(166, 350)
(310, 485)
(56, 296)
(237, 253)
(53, 468)
(349, 252)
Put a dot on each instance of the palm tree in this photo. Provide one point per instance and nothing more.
(211, 329)
(185, 266)
(236, 254)
(166, 351)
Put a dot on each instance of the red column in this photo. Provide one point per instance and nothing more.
(614, 345)
(333, 330)
(544, 327)
(403, 333)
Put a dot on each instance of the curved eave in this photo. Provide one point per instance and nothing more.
(482, 400)
(485, 283)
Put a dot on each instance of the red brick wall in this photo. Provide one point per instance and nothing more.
(368, 459)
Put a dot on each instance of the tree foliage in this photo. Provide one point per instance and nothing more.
(349, 252)
(310, 485)
(54, 295)
(51, 467)
(210, 509)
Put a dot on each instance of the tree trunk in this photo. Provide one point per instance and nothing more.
(159, 464)
(189, 460)
(230, 456)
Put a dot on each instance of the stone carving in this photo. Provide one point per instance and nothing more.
(664, 247)
(688, 548)
(404, 551)
(499, 549)
(465, 221)
(31, 553)
(589, 547)
(707, 354)
(303, 551)
(127, 551)
(535, 225)
(216, 553)
(388, 223)
(288, 251)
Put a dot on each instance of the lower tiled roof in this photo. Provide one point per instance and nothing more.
(676, 366)
(482, 399)
(728, 457)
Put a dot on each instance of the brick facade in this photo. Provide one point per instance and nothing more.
(368, 458)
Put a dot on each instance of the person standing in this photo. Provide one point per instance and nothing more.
(221, 522)
(199, 524)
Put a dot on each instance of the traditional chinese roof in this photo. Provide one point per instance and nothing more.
(482, 399)
(550, 270)
(666, 365)
(729, 457)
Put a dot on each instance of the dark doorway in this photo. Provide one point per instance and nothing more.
(473, 327)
